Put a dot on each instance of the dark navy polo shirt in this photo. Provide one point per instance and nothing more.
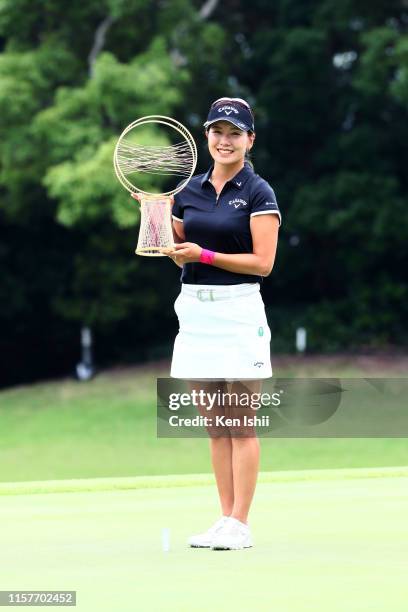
(222, 224)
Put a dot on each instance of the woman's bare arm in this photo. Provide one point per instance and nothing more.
(264, 232)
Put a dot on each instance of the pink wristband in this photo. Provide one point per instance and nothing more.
(207, 256)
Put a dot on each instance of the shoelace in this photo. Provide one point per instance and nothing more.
(218, 525)
(235, 529)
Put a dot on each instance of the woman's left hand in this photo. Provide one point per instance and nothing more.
(185, 252)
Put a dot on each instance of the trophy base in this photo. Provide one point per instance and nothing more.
(153, 251)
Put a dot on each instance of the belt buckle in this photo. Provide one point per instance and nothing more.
(202, 298)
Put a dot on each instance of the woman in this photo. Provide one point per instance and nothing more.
(227, 221)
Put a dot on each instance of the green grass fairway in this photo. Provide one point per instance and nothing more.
(107, 428)
(325, 541)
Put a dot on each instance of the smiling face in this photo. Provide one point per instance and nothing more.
(228, 144)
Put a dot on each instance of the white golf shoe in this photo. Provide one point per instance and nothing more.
(234, 535)
(204, 540)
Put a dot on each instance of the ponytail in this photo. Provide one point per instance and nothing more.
(248, 159)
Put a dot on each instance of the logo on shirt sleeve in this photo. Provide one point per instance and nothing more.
(237, 202)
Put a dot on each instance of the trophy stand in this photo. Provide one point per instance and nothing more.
(156, 232)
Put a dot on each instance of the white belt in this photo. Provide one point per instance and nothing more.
(212, 293)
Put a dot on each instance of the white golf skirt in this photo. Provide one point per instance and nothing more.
(223, 333)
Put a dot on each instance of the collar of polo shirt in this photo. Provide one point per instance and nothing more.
(238, 180)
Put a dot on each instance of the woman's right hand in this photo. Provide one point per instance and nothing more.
(136, 196)
(139, 196)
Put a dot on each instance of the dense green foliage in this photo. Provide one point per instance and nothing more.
(329, 84)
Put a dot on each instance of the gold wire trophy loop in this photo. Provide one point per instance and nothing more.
(132, 158)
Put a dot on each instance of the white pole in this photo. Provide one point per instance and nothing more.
(166, 539)
(300, 339)
(85, 369)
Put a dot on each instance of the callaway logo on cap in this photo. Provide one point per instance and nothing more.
(228, 110)
(233, 110)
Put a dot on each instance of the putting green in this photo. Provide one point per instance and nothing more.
(325, 540)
